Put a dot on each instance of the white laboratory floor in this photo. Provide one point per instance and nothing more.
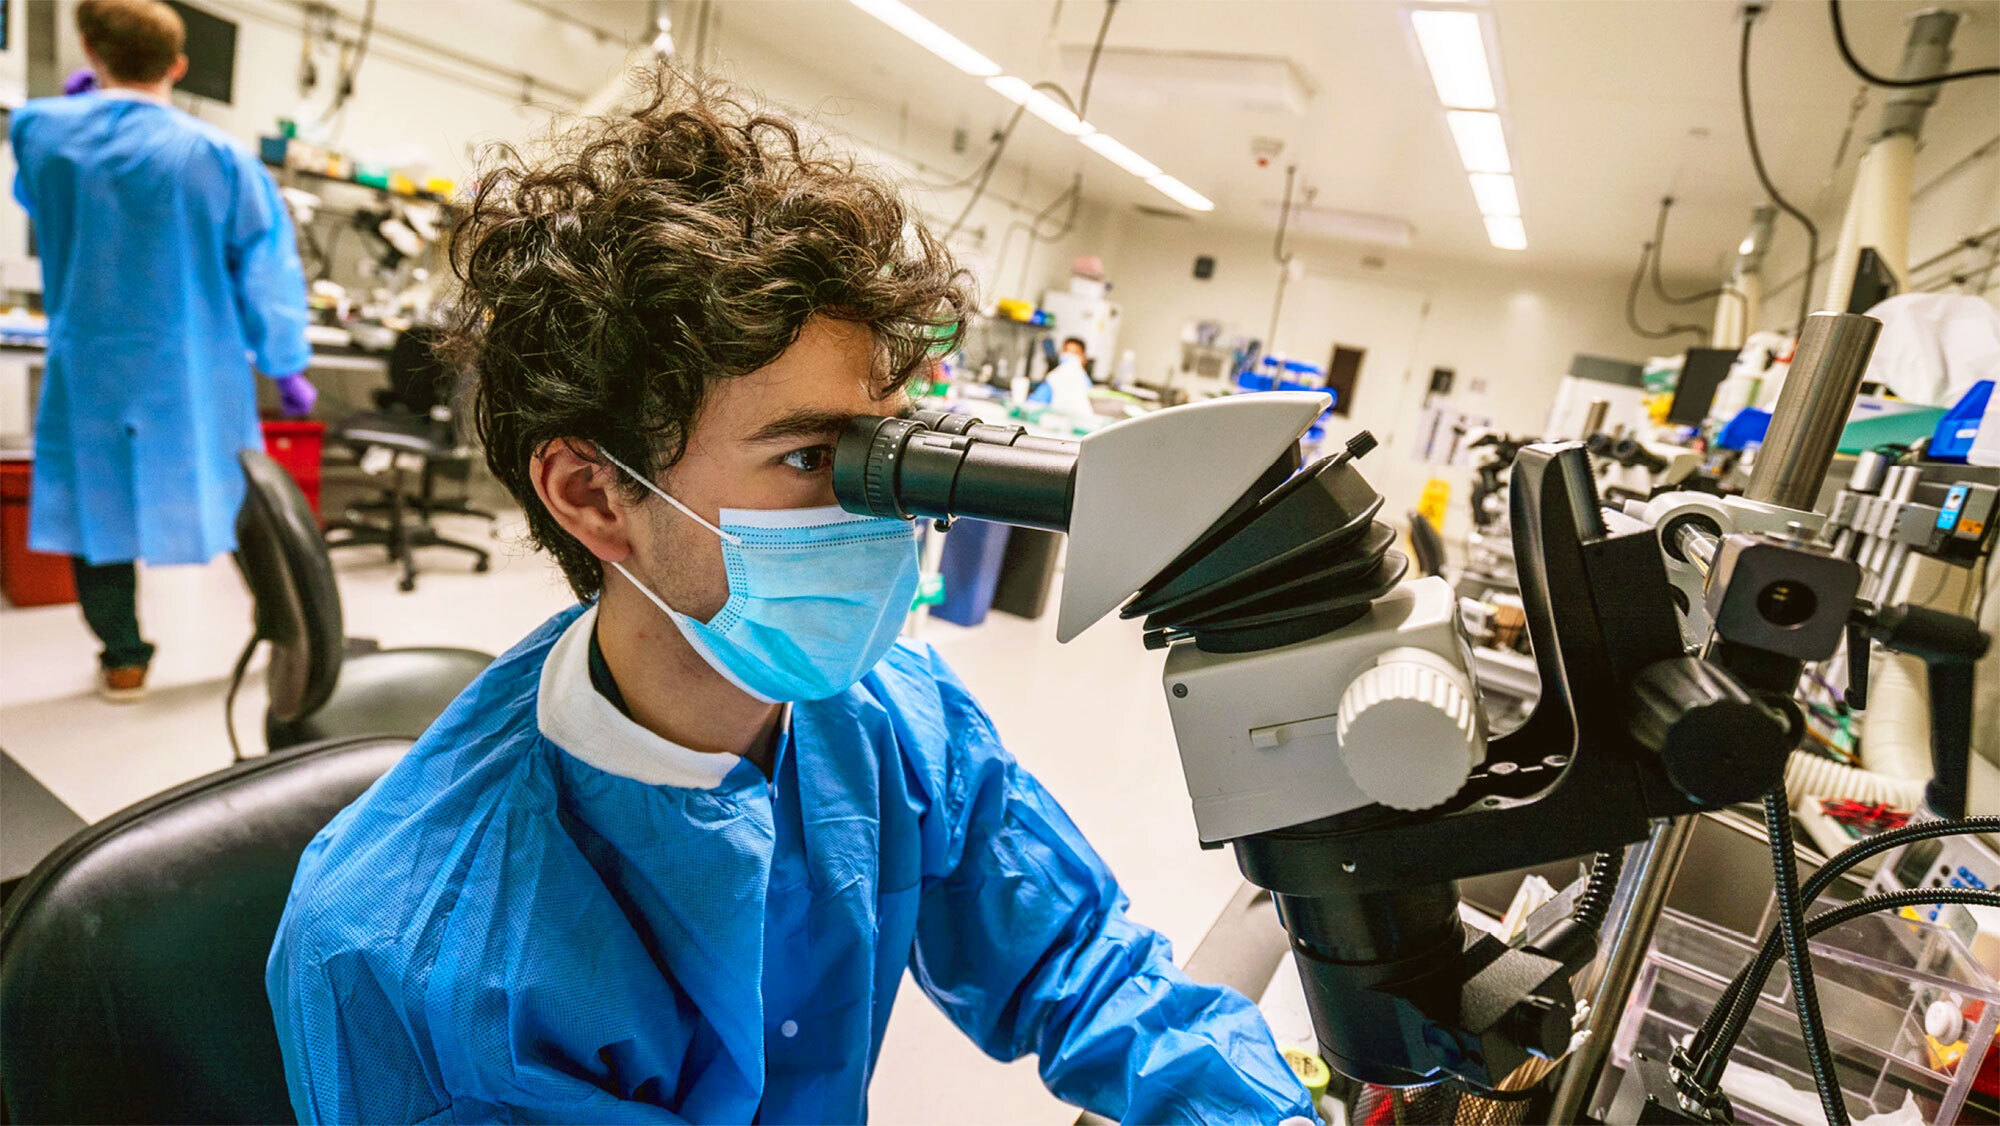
(1088, 718)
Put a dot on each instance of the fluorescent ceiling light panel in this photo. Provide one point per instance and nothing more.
(929, 36)
(1495, 194)
(1040, 104)
(1482, 143)
(1180, 193)
(1103, 145)
(1456, 54)
(1506, 232)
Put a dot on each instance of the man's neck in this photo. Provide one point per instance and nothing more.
(670, 690)
(161, 92)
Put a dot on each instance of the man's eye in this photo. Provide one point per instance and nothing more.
(812, 459)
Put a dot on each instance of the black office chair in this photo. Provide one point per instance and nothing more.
(322, 684)
(132, 957)
(1429, 546)
(413, 422)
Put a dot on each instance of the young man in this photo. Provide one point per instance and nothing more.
(669, 858)
(167, 257)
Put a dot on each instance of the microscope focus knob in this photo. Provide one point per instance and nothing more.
(1719, 743)
(1410, 729)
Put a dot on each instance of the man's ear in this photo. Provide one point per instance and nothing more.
(177, 71)
(584, 498)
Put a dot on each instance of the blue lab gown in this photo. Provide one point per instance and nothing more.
(503, 929)
(167, 262)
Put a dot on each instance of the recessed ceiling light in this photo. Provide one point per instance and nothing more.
(1456, 54)
(929, 36)
(1506, 232)
(1482, 143)
(1040, 104)
(1495, 194)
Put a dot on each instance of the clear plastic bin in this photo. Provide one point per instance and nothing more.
(1876, 977)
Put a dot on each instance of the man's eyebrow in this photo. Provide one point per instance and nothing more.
(810, 422)
(806, 423)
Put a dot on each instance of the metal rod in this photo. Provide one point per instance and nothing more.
(1819, 392)
(1698, 547)
(1649, 875)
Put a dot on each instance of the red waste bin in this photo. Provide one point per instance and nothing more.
(28, 578)
(296, 446)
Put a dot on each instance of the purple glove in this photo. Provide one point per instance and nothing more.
(296, 396)
(81, 81)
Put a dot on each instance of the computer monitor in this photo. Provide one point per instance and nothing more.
(211, 53)
(1702, 371)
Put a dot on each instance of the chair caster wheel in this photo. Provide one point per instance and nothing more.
(482, 566)
(406, 585)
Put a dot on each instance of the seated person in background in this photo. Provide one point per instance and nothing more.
(670, 857)
(1074, 346)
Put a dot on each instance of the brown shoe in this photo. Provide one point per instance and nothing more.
(126, 685)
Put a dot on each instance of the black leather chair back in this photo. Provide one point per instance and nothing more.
(1429, 546)
(417, 377)
(132, 958)
(283, 558)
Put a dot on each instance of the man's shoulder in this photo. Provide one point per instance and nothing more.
(478, 779)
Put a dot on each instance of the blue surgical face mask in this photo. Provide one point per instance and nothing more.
(816, 596)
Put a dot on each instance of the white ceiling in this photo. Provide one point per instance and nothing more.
(1607, 101)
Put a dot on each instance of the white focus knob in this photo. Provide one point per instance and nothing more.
(1410, 729)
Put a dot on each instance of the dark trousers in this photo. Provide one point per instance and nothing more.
(109, 593)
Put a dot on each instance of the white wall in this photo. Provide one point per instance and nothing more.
(1508, 334)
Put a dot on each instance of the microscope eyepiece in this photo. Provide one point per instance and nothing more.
(944, 466)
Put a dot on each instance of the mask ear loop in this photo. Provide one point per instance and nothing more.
(727, 537)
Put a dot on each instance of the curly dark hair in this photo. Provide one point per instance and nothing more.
(609, 279)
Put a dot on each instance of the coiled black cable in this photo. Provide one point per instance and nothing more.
(1792, 926)
(1595, 902)
(1732, 1010)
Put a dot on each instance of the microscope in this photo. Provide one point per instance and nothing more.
(1326, 715)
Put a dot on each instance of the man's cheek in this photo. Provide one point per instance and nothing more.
(691, 574)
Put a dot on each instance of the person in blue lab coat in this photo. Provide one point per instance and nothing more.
(168, 266)
(669, 858)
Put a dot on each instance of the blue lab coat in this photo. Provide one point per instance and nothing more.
(545, 913)
(167, 262)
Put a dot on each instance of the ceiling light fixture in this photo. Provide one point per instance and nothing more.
(1180, 193)
(1506, 232)
(1103, 145)
(1040, 104)
(951, 49)
(929, 36)
(1455, 51)
(1482, 143)
(1495, 194)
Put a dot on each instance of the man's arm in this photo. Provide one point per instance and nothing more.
(1025, 945)
(270, 282)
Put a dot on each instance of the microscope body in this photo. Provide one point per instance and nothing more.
(1381, 710)
(1327, 723)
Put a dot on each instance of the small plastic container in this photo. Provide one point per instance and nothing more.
(1876, 976)
(296, 445)
(1958, 430)
(28, 578)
